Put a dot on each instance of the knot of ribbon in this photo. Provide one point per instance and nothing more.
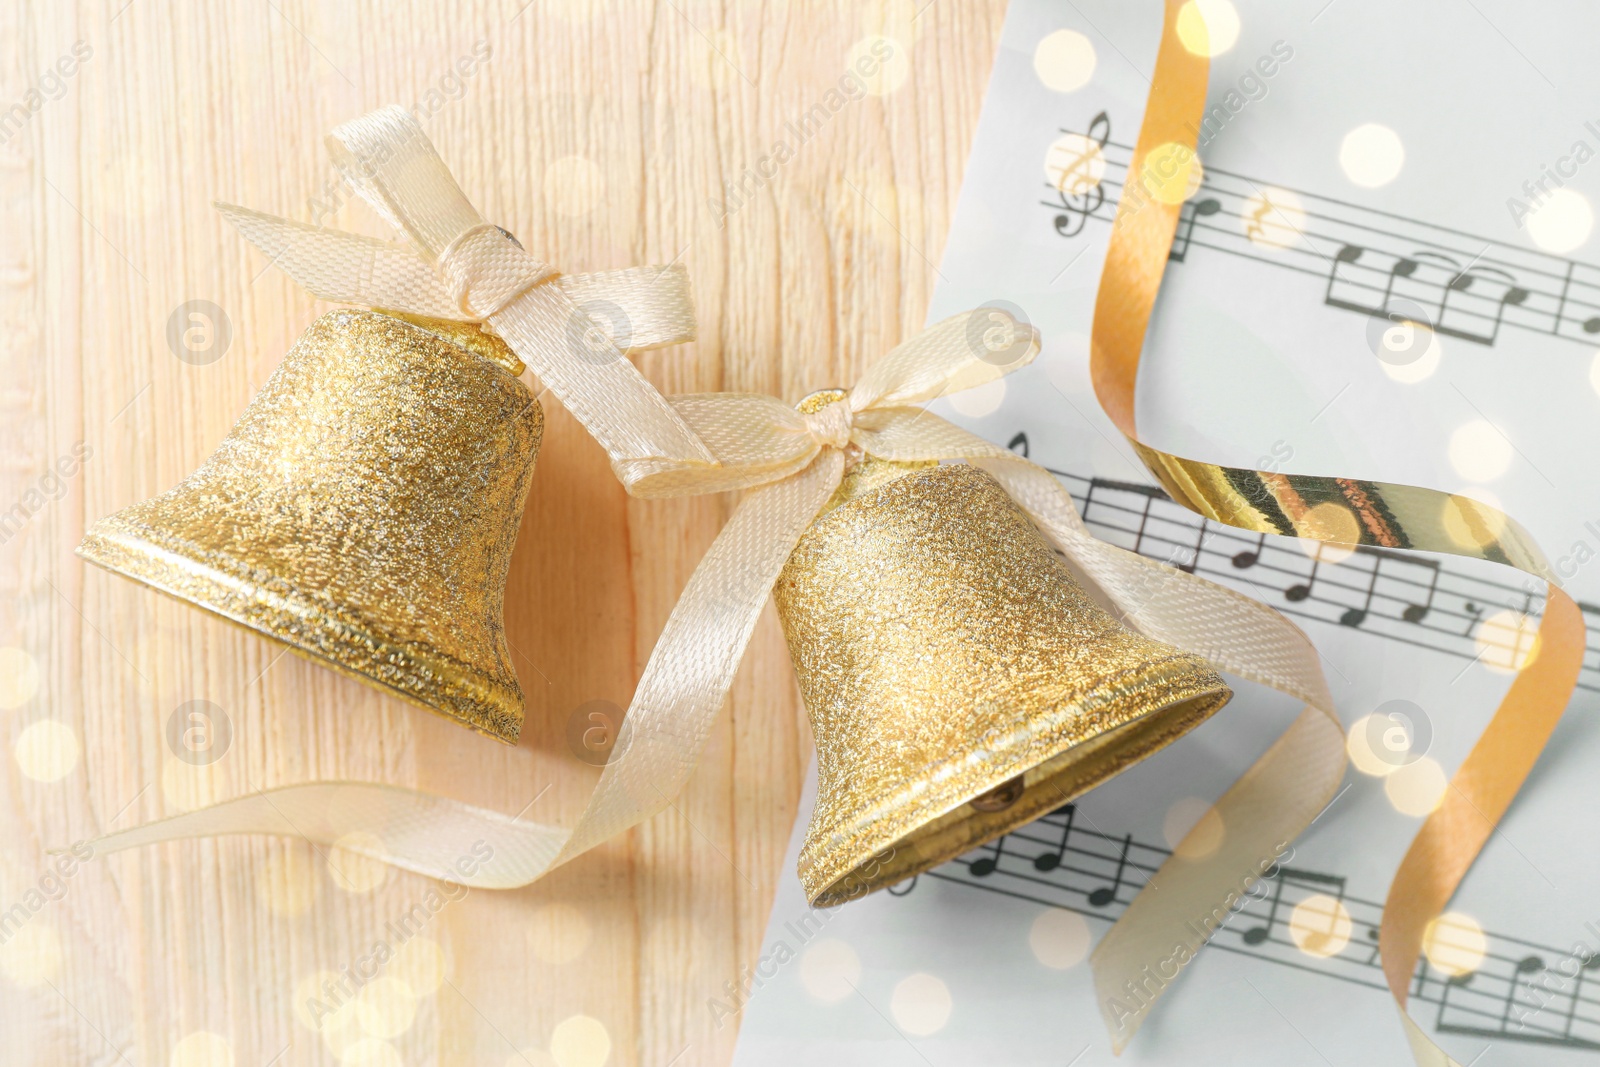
(830, 423)
(484, 270)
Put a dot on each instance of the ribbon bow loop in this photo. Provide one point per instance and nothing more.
(391, 164)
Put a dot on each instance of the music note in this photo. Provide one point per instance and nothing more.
(1321, 942)
(982, 868)
(1301, 590)
(1357, 616)
(1199, 543)
(1314, 940)
(1592, 963)
(1049, 861)
(1522, 635)
(1526, 965)
(1417, 612)
(1477, 614)
(1246, 560)
(1372, 935)
(1561, 305)
(1513, 296)
(1019, 445)
(1258, 934)
(1402, 267)
(1106, 894)
(1591, 324)
(1197, 209)
(1456, 280)
(1346, 254)
(1444, 994)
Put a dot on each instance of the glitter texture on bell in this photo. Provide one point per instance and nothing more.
(362, 511)
(959, 680)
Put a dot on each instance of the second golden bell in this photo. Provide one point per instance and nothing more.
(958, 679)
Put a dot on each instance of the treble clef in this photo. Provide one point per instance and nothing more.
(1076, 183)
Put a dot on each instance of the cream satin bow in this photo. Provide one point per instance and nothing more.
(572, 329)
(791, 462)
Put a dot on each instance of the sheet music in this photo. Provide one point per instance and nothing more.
(1467, 285)
(1282, 341)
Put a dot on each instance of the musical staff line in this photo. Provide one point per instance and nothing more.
(1369, 261)
(1300, 919)
(1412, 600)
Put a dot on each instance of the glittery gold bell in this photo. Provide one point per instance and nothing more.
(362, 511)
(960, 682)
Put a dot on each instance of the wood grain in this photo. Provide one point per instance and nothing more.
(107, 229)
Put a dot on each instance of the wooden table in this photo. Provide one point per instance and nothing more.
(602, 132)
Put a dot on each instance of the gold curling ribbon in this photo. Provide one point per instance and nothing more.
(790, 461)
(1139, 957)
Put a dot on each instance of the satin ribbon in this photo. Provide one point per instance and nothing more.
(789, 461)
(1396, 516)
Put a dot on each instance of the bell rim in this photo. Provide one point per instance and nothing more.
(874, 829)
(498, 714)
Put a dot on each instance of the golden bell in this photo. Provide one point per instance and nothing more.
(960, 682)
(362, 511)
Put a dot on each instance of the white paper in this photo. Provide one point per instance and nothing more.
(1249, 364)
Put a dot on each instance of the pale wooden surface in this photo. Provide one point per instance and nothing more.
(107, 228)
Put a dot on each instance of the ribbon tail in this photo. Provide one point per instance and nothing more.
(639, 308)
(1187, 900)
(630, 419)
(1423, 1050)
(1186, 903)
(344, 267)
(694, 661)
(673, 709)
(416, 831)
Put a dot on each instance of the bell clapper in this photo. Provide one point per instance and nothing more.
(1000, 797)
